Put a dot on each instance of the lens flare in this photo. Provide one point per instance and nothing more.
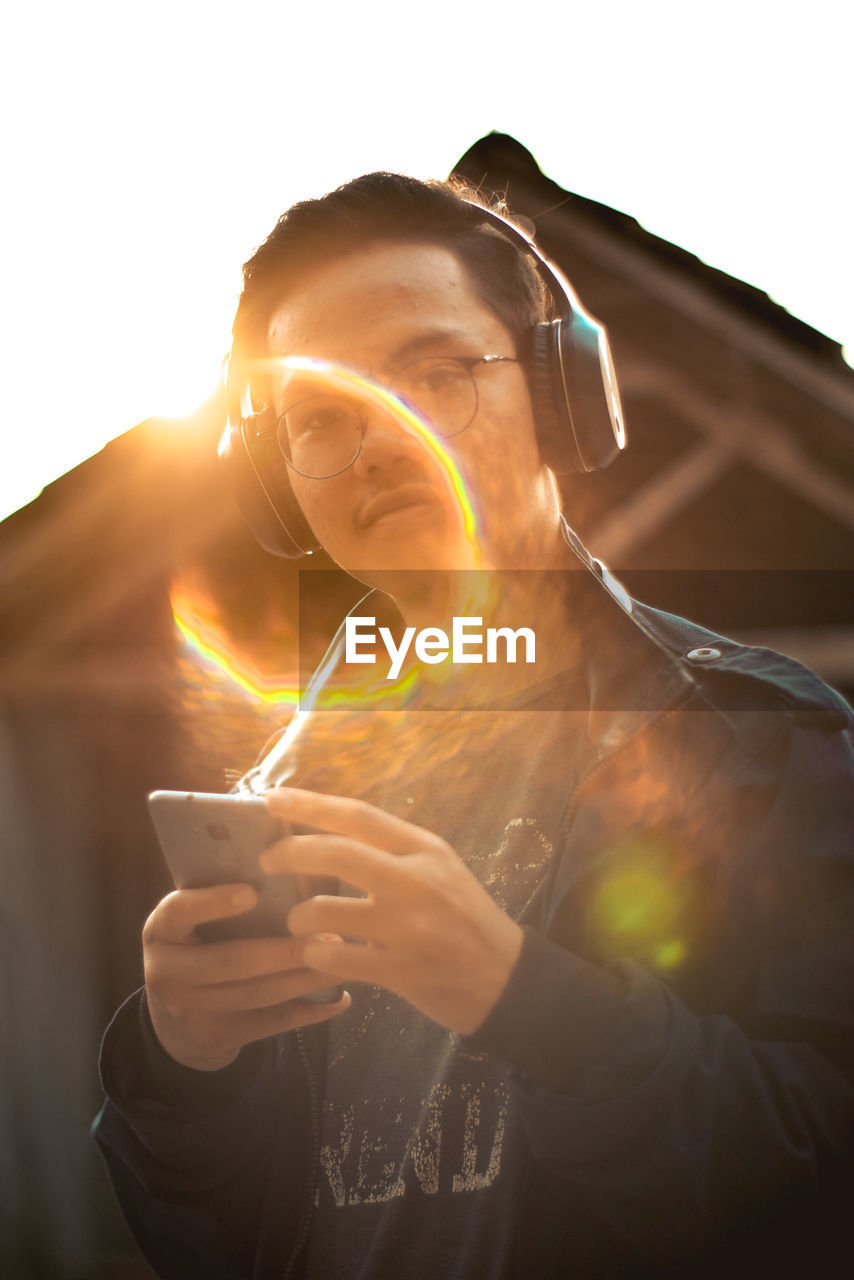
(206, 645)
(670, 954)
(203, 643)
(643, 903)
(331, 374)
(207, 648)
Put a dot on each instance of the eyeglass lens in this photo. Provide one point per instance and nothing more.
(321, 435)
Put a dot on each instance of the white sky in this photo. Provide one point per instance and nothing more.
(150, 147)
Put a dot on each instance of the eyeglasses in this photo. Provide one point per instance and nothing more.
(321, 435)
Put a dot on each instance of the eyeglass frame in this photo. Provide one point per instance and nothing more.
(469, 363)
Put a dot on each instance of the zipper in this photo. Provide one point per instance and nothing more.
(314, 1162)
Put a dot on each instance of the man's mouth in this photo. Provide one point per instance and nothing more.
(391, 501)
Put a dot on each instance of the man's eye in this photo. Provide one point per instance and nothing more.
(446, 375)
(319, 419)
(322, 420)
(438, 379)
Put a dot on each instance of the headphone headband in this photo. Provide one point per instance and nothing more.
(576, 398)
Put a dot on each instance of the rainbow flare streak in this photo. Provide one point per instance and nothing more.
(341, 376)
(208, 648)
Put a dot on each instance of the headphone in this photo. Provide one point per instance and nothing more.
(574, 394)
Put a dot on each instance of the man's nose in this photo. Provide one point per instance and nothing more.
(386, 441)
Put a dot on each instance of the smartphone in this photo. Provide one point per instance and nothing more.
(210, 839)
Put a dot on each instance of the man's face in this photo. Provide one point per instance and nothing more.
(377, 311)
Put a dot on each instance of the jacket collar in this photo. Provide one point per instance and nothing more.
(633, 676)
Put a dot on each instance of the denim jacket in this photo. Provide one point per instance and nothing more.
(686, 1082)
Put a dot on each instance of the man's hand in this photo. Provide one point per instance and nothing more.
(426, 928)
(208, 999)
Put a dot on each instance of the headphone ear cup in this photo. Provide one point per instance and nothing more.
(555, 435)
(574, 394)
(258, 477)
(574, 391)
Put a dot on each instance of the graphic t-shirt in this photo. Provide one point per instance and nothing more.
(422, 1156)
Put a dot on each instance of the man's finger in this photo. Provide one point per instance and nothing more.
(265, 991)
(174, 919)
(349, 961)
(259, 1024)
(354, 818)
(334, 856)
(237, 960)
(347, 917)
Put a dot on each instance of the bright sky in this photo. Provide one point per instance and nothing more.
(150, 148)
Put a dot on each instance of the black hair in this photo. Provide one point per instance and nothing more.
(389, 206)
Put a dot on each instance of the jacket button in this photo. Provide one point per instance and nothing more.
(703, 655)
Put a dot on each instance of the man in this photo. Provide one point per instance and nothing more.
(594, 919)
